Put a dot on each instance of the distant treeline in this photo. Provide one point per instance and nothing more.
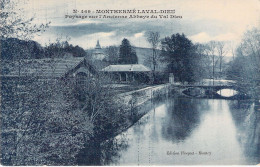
(13, 49)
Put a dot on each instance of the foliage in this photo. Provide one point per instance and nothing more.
(13, 23)
(112, 52)
(154, 39)
(246, 66)
(11, 49)
(42, 120)
(216, 51)
(59, 48)
(179, 52)
(127, 54)
(41, 124)
(236, 69)
(48, 121)
(104, 112)
(204, 61)
(221, 50)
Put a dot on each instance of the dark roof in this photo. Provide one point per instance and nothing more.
(48, 67)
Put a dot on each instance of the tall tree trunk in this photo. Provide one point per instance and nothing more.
(154, 64)
(213, 69)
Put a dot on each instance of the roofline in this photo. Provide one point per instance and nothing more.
(105, 69)
(125, 71)
(82, 59)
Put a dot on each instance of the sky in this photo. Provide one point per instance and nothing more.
(202, 20)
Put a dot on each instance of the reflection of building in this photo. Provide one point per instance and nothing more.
(128, 72)
(98, 52)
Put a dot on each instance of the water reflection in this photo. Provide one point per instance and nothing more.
(183, 116)
(111, 149)
(246, 119)
(211, 131)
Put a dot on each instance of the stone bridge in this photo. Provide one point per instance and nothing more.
(210, 91)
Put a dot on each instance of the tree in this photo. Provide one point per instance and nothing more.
(154, 39)
(179, 53)
(222, 50)
(232, 48)
(133, 59)
(48, 122)
(60, 48)
(41, 123)
(245, 68)
(14, 24)
(211, 51)
(127, 54)
(96, 99)
(112, 53)
(107, 114)
(12, 49)
(203, 60)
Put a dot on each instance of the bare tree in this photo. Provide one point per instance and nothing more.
(211, 51)
(154, 39)
(96, 96)
(232, 48)
(250, 48)
(16, 25)
(251, 43)
(245, 68)
(222, 50)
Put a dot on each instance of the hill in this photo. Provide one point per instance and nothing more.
(145, 57)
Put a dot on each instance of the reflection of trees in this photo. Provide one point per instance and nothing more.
(154, 132)
(183, 117)
(90, 155)
(239, 110)
(111, 150)
(246, 117)
(108, 152)
(114, 148)
(96, 153)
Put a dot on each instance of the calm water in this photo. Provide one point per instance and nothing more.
(188, 131)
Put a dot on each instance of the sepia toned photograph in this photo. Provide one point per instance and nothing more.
(130, 82)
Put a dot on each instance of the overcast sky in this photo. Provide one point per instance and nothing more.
(202, 20)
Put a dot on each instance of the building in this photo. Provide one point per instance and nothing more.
(98, 53)
(48, 69)
(127, 73)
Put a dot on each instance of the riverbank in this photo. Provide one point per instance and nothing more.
(136, 100)
(135, 104)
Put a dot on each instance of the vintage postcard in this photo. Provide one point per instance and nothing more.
(130, 82)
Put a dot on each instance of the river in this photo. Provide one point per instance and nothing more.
(186, 131)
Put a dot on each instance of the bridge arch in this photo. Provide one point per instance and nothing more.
(212, 92)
